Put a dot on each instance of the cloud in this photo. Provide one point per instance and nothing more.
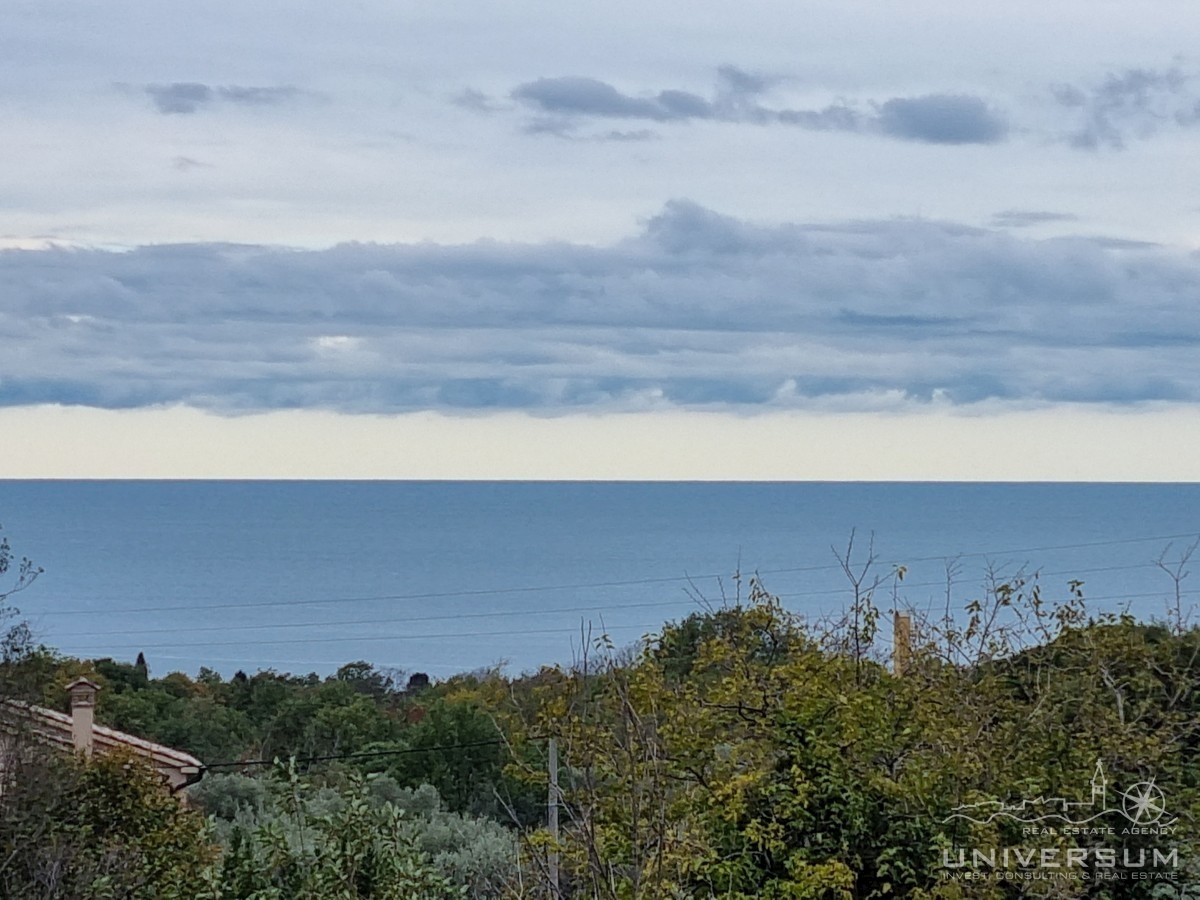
(567, 129)
(835, 117)
(1133, 103)
(187, 97)
(590, 97)
(258, 96)
(694, 310)
(187, 164)
(561, 102)
(628, 136)
(182, 97)
(741, 82)
(942, 119)
(475, 100)
(1023, 218)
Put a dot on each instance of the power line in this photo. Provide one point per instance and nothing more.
(275, 626)
(541, 611)
(1083, 546)
(378, 637)
(645, 628)
(942, 583)
(433, 595)
(952, 557)
(405, 667)
(635, 582)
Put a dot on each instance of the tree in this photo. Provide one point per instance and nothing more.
(417, 682)
(366, 679)
(457, 748)
(349, 849)
(16, 641)
(473, 853)
(744, 754)
(21, 578)
(101, 828)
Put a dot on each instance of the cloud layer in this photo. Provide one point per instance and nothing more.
(697, 310)
(133, 124)
(933, 118)
(1108, 113)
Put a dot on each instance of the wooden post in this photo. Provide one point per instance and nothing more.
(901, 642)
(552, 815)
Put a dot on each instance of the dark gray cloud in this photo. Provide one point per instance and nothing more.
(942, 119)
(1134, 103)
(590, 97)
(696, 309)
(186, 97)
(561, 102)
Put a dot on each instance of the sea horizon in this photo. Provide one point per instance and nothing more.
(445, 576)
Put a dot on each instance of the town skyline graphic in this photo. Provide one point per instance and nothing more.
(1142, 804)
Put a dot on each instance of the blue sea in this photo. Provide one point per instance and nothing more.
(444, 577)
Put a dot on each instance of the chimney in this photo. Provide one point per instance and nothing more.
(83, 713)
(901, 642)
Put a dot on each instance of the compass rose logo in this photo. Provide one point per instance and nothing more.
(1144, 803)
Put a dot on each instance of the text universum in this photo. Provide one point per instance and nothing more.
(1058, 858)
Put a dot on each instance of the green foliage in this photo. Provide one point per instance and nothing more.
(743, 755)
(367, 838)
(227, 796)
(463, 775)
(364, 678)
(16, 641)
(254, 815)
(103, 829)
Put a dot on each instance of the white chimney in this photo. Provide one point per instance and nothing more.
(83, 713)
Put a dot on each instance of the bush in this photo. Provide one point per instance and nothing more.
(292, 837)
(102, 828)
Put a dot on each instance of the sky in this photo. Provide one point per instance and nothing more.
(829, 240)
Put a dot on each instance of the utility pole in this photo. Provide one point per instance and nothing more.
(552, 815)
(901, 642)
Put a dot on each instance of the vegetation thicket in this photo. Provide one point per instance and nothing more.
(738, 753)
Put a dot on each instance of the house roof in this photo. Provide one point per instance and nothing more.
(57, 728)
